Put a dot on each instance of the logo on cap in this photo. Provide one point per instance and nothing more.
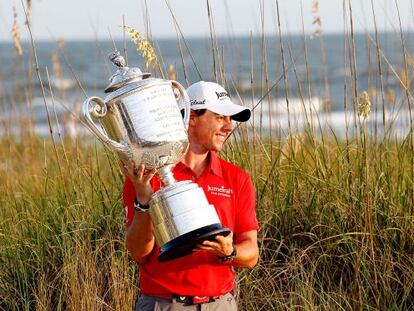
(197, 102)
(221, 95)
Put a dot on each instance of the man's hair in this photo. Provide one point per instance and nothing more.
(200, 112)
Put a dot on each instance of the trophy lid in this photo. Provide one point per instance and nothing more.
(124, 74)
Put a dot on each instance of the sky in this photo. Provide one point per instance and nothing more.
(101, 19)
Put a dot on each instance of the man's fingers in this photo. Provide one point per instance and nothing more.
(137, 174)
(123, 166)
(140, 171)
(224, 239)
(209, 243)
(147, 175)
(126, 169)
(221, 239)
(201, 247)
(153, 172)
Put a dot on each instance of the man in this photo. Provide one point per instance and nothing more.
(204, 279)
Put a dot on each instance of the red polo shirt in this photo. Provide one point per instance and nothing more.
(231, 192)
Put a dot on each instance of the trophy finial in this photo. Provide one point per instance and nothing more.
(124, 74)
(117, 59)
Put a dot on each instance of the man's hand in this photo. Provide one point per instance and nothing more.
(222, 245)
(140, 177)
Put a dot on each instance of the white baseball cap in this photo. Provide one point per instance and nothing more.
(213, 97)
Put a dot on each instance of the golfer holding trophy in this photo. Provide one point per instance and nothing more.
(190, 215)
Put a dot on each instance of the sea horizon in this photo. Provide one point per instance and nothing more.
(315, 83)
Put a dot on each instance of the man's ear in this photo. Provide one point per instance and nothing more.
(193, 117)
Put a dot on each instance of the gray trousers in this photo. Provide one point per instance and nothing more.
(149, 303)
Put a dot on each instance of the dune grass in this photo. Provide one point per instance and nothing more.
(330, 237)
(336, 215)
(333, 238)
(61, 230)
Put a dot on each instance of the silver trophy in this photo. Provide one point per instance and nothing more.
(140, 119)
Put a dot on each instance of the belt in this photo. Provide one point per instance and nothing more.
(194, 300)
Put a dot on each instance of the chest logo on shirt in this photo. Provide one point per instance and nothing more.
(221, 191)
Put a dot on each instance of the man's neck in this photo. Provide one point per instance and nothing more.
(197, 161)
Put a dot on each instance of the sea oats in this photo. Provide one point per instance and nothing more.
(315, 6)
(316, 19)
(143, 46)
(410, 60)
(316, 33)
(57, 68)
(404, 78)
(372, 91)
(61, 43)
(16, 34)
(390, 96)
(172, 74)
(364, 105)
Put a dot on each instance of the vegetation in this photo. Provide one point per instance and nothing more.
(336, 215)
(61, 230)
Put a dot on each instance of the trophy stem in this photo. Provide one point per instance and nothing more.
(166, 175)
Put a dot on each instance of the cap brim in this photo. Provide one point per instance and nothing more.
(236, 112)
(242, 116)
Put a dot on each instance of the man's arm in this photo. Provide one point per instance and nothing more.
(139, 235)
(247, 249)
(139, 238)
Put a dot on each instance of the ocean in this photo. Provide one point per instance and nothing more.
(319, 83)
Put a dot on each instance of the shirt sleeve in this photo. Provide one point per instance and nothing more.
(245, 219)
(128, 196)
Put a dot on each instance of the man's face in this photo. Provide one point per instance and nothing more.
(209, 131)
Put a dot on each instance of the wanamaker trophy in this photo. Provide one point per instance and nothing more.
(140, 119)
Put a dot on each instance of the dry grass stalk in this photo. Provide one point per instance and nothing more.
(143, 46)
(16, 34)
(29, 11)
(291, 147)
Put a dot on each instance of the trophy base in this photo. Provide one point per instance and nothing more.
(184, 244)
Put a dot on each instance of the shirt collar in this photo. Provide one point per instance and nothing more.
(213, 166)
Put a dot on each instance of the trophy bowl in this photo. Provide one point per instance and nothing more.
(141, 120)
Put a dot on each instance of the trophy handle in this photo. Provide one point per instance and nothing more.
(99, 111)
(185, 99)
